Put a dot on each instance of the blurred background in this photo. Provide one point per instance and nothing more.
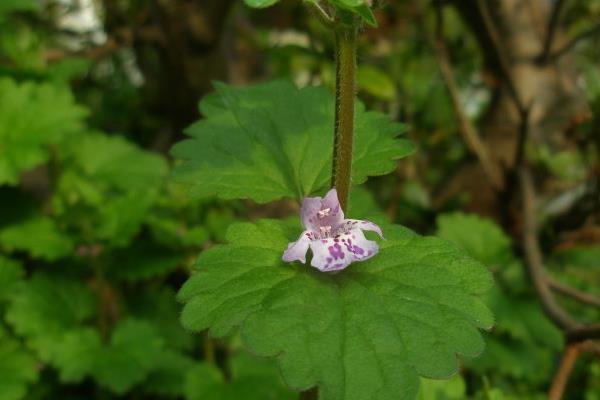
(95, 240)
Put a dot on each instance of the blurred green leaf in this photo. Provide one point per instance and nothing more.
(252, 379)
(482, 238)
(418, 296)
(25, 141)
(11, 272)
(260, 3)
(452, 389)
(170, 376)
(586, 257)
(376, 82)
(44, 308)
(134, 351)
(38, 236)
(272, 140)
(76, 354)
(159, 307)
(108, 187)
(18, 368)
(143, 260)
(524, 340)
(7, 6)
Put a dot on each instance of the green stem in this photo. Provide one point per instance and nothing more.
(345, 37)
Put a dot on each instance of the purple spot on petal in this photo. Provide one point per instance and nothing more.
(336, 251)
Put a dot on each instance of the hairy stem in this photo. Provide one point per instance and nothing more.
(345, 36)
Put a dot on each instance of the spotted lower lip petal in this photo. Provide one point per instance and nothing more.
(335, 242)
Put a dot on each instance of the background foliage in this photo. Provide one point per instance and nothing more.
(101, 224)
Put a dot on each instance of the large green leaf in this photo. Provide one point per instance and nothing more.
(366, 332)
(18, 368)
(273, 140)
(33, 117)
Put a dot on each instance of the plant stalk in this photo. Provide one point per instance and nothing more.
(345, 37)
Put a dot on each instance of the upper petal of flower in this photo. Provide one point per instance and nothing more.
(297, 250)
(320, 212)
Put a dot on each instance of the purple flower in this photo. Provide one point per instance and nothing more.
(335, 242)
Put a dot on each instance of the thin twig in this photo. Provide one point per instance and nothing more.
(566, 290)
(561, 378)
(466, 129)
(552, 27)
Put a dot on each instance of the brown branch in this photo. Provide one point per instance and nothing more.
(561, 378)
(574, 330)
(466, 129)
(533, 256)
(574, 41)
(566, 290)
(551, 32)
(500, 53)
(582, 333)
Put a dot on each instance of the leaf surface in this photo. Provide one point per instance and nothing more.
(272, 140)
(367, 332)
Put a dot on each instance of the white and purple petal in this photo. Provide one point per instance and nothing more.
(310, 208)
(317, 212)
(335, 242)
(297, 250)
(330, 255)
(358, 246)
(365, 226)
